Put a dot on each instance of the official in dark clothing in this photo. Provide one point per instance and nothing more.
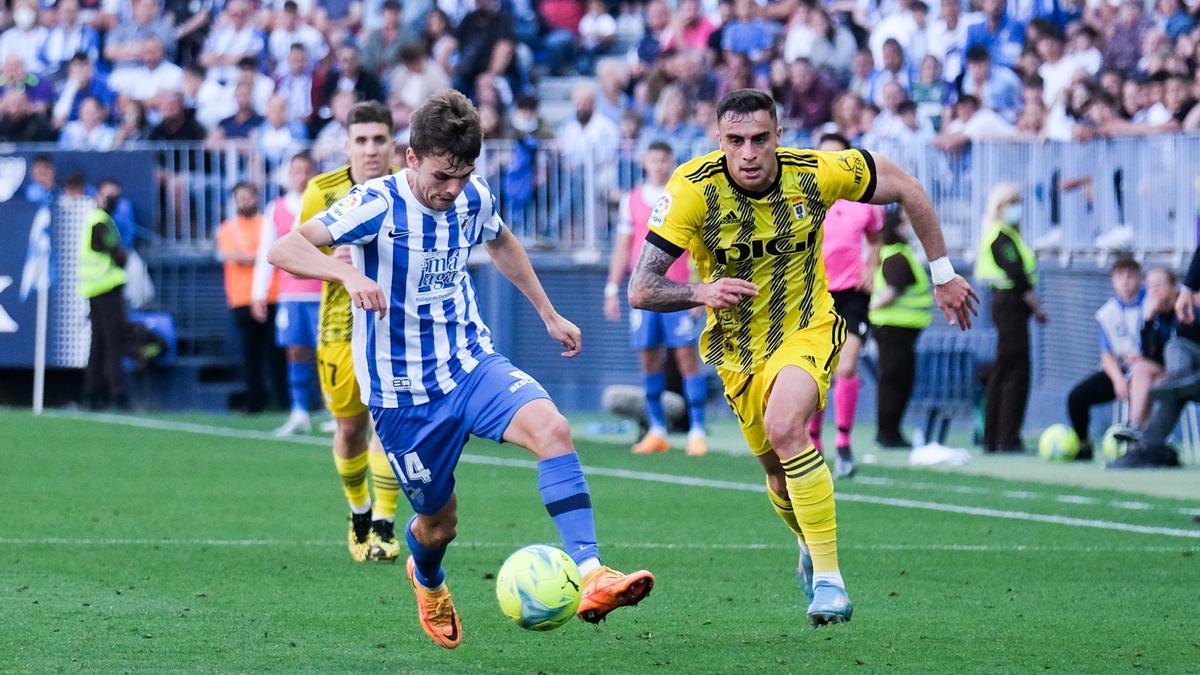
(900, 308)
(1009, 268)
(102, 282)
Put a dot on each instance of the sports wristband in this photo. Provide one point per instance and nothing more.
(610, 289)
(941, 270)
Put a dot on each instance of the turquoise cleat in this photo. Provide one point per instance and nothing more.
(805, 571)
(830, 605)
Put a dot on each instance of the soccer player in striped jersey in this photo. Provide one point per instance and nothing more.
(751, 216)
(435, 378)
(371, 533)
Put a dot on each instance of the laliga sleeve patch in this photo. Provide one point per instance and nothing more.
(345, 205)
(659, 214)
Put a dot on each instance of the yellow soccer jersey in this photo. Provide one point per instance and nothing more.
(321, 193)
(771, 239)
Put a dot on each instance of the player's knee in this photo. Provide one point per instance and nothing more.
(552, 435)
(846, 368)
(441, 531)
(785, 435)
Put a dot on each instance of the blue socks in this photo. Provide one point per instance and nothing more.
(695, 390)
(655, 384)
(300, 377)
(428, 561)
(565, 494)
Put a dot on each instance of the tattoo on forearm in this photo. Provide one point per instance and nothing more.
(650, 289)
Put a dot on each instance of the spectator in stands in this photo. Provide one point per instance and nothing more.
(1057, 71)
(234, 38)
(102, 283)
(277, 138)
(290, 31)
(900, 309)
(650, 47)
(862, 72)
(26, 37)
(134, 126)
(329, 146)
(329, 15)
(672, 124)
(689, 28)
(479, 35)
(1009, 268)
(1001, 35)
(1031, 123)
(832, 49)
(948, 39)
(43, 182)
(208, 100)
(1084, 51)
(737, 72)
(155, 76)
(750, 36)
(178, 123)
(847, 118)
(1135, 326)
(237, 246)
(15, 77)
(908, 27)
(597, 33)
(1124, 37)
(930, 93)
(694, 76)
(521, 179)
(613, 78)
(295, 84)
(588, 143)
(1179, 386)
(971, 123)
(415, 78)
(89, 132)
(438, 39)
(81, 82)
(382, 48)
(996, 87)
(351, 76)
(21, 121)
(242, 124)
(191, 21)
(810, 96)
(69, 37)
(895, 69)
(124, 44)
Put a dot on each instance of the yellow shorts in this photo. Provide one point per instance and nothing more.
(335, 371)
(815, 349)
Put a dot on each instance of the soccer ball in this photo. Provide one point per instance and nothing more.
(1058, 444)
(539, 587)
(1112, 447)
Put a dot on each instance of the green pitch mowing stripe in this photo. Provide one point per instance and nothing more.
(934, 591)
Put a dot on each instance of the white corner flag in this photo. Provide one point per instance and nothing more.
(36, 276)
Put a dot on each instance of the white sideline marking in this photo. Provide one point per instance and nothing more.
(1076, 499)
(1139, 506)
(331, 543)
(670, 479)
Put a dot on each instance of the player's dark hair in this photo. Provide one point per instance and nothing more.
(1125, 263)
(447, 125)
(370, 112)
(834, 138)
(660, 146)
(746, 102)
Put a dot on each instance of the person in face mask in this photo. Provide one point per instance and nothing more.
(1008, 267)
(102, 283)
(26, 38)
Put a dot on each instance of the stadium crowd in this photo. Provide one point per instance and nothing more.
(97, 74)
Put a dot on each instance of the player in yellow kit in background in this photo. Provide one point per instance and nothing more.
(751, 216)
(372, 523)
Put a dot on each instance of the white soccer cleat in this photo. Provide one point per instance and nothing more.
(297, 423)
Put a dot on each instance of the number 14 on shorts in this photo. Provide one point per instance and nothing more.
(412, 471)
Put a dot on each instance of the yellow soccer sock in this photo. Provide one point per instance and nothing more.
(387, 488)
(353, 473)
(783, 507)
(810, 487)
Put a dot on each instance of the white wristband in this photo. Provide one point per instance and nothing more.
(941, 270)
(610, 289)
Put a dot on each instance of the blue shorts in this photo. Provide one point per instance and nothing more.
(423, 443)
(296, 323)
(653, 329)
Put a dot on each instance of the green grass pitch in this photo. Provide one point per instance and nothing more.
(135, 548)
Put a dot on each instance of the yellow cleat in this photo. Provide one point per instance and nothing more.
(605, 589)
(650, 444)
(359, 537)
(435, 610)
(697, 446)
(382, 541)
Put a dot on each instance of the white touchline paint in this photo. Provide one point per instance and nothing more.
(962, 548)
(671, 479)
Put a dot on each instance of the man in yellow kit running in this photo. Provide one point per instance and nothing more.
(372, 524)
(751, 216)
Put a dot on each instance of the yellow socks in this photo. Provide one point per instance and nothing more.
(783, 507)
(810, 487)
(353, 473)
(387, 488)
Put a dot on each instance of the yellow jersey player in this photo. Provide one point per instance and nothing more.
(372, 524)
(751, 216)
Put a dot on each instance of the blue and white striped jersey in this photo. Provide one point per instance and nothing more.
(433, 335)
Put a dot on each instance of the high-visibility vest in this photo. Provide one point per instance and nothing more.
(913, 307)
(988, 271)
(98, 272)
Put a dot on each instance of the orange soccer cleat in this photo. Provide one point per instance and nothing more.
(435, 609)
(605, 589)
(650, 444)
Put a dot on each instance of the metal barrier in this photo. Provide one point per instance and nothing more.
(1077, 191)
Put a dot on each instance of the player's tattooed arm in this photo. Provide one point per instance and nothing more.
(649, 288)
